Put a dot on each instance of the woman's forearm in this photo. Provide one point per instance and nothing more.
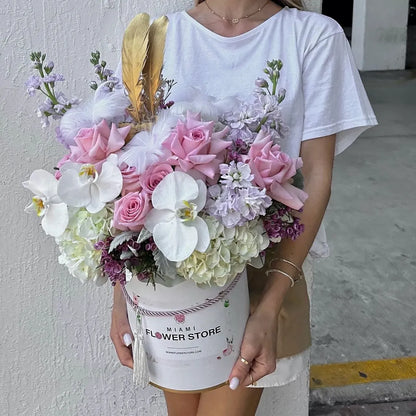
(317, 171)
(118, 297)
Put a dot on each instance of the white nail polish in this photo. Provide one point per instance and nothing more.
(234, 383)
(127, 340)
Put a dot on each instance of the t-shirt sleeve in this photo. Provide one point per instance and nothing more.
(335, 99)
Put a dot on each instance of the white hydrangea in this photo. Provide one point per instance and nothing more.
(228, 254)
(76, 244)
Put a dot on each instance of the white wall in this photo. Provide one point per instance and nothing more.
(379, 34)
(56, 356)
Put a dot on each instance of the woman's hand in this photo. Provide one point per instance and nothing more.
(258, 348)
(120, 332)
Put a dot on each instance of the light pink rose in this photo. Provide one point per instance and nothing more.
(194, 145)
(153, 175)
(274, 170)
(130, 211)
(95, 144)
(130, 179)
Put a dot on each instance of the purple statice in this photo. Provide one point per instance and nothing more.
(280, 223)
(235, 200)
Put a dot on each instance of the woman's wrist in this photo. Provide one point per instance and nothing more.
(273, 295)
(118, 297)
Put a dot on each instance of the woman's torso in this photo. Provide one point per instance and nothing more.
(228, 66)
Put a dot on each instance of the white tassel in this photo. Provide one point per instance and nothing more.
(140, 366)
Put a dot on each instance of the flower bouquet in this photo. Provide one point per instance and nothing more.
(160, 194)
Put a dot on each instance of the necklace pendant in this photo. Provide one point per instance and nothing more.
(235, 20)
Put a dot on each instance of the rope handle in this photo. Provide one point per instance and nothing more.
(209, 302)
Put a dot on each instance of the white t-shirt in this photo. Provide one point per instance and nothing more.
(324, 91)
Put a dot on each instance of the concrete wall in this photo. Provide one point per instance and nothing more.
(57, 358)
(379, 34)
(56, 355)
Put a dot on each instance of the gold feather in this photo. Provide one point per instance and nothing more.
(134, 55)
(153, 67)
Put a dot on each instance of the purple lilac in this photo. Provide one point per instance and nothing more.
(238, 148)
(52, 78)
(234, 201)
(32, 84)
(281, 224)
(130, 254)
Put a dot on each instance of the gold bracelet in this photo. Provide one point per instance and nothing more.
(292, 280)
(288, 262)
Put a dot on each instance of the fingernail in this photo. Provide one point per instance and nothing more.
(234, 383)
(127, 340)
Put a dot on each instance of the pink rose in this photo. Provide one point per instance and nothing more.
(274, 170)
(130, 179)
(130, 211)
(194, 145)
(153, 175)
(95, 144)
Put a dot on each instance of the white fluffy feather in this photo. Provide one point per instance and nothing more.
(110, 106)
(145, 148)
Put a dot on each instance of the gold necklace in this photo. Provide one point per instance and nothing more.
(235, 20)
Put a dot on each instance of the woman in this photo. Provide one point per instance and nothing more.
(222, 46)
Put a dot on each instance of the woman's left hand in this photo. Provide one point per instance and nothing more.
(258, 348)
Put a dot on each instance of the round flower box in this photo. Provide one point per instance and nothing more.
(191, 335)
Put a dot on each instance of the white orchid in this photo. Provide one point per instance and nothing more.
(82, 186)
(174, 222)
(46, 202)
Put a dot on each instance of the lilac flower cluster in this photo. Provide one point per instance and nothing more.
(263, 114)
(104, 74)
(55, 104)
(280, 223)
(235, 200)
(135, 257)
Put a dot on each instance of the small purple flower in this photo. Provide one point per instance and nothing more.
(52, 78)
(235, 200)
(32, 84)
(261, 83)
(49, 66)
(282, 224)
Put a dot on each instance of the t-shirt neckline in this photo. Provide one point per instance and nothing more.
(237, 37)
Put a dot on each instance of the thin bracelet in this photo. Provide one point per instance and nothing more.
(283, 273)
(288, 262)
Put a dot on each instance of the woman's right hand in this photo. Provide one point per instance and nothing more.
(120, 332)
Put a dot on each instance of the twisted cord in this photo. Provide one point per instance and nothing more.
(209, 302)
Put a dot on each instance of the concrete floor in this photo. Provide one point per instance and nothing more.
(364, 294)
